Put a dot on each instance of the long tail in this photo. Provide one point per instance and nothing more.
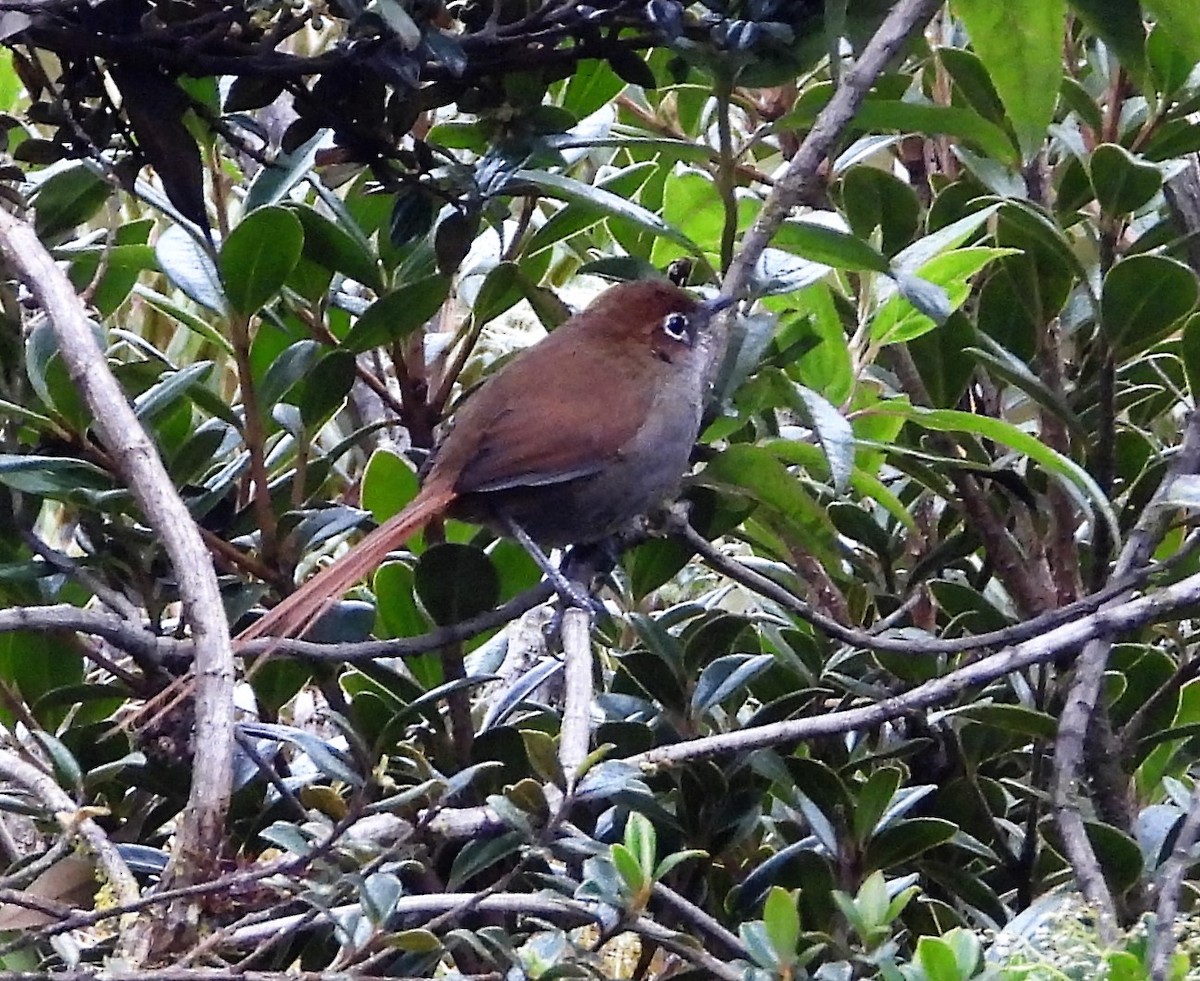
(304, 607)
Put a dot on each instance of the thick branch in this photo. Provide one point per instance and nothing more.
(198, 839)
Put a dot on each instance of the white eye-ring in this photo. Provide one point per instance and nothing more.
(677, 327)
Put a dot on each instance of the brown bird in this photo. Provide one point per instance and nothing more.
(571, 439)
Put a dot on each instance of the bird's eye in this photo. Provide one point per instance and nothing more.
(676, 327)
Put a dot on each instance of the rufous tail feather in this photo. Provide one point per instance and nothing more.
(299, 611)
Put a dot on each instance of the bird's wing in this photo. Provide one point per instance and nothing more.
(572, 439)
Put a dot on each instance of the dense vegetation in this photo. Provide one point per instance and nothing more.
(910, 685)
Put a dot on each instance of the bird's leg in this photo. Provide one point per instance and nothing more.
(571, 592)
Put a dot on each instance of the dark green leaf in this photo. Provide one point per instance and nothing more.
(481, 854)
(396, 315)
(190, 267)
(829, 246)
(1143, 298)
(68, 198)
(725, 677)
(258, 257)
(1122, 182)
(901, 842)
(455, 582)
(328, 386)
(332, 247)
(452, 238)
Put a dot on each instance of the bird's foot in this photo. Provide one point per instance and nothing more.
(571, 591)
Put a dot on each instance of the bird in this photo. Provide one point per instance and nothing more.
(565, 444)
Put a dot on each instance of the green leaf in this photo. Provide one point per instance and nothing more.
(1013, 718)
(905, 840)
(832, 428)
(197, 325)
(396, 610)
(1170, 66)
(1190, 352)
(1118, 853)
(782, 921)
(642, 841)
(899, 320)
(952, 420)
(452, 237)
(500, 292)
(961, 123)
(258, 257)
(543, 756)
(1122, 182)
(830, 246)
(569, 189)
(329, 245)
(56, 477)
(726, 676)
(396, 315)
(481, 854)
(631, 873)
(816, 329)
(872, 901)
(763, 478)
(1120, 24)
(591, 86)
(872, 198)
(1020, 43)
(937, 960)
(1143, 298)
(190, 267)
(34, 664)
(675, 859)
(287, 370)
(1178, 18)
(68, 198)
(873, 799)
(327, 388)
(946, 238)
(578, 216)
(389, 483)
(272, 183)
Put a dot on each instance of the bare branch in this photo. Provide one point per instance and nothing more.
(76, 823)
(1168, 884)
(197, 841)
(1052, 644)
(1085, 690)
(796, 183)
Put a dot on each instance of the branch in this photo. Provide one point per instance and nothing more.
(1085, 690)
(796, 183)
(139, 639)
(1052, 644)
(1168, 884)
(871, 639)
(548, 907)
(76, 822)
(198, 837)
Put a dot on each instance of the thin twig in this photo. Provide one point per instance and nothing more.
(1168, 884)
(76, 823)
(1109, 620)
